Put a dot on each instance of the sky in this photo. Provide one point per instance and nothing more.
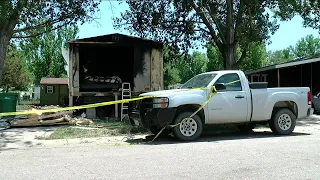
(288, 33)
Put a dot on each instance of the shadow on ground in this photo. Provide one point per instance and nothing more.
(21, 137)
(311, 120)
(209, 136)
(228, 133)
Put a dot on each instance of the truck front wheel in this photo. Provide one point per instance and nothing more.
(283, 122)
(187, 129)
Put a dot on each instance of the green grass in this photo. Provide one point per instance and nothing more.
(113, 128)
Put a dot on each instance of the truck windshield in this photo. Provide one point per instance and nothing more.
(198, 81)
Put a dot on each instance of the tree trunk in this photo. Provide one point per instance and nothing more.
(6, 31)
(229, 57)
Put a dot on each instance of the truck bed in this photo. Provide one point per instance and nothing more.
(263, 100)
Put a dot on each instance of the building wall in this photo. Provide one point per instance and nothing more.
(55, 98)
(142, 69)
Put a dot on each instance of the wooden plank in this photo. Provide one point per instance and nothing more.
(142, 79)
(156, 70)
(70, 85)
(76, 79)
(97, 93)
(116, 105)
(39, 117)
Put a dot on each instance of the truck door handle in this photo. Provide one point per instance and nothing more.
(239, 97)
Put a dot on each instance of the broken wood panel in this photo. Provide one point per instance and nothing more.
(76, 80)
(156, 70)
(70, 83)
(142, 79)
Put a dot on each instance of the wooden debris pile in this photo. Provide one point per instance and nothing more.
(54, 118)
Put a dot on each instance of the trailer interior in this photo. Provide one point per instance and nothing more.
(104, 67)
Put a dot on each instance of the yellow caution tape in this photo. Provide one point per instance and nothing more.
(98, 104)
(74, 107)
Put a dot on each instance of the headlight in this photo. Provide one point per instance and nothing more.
(160, 102)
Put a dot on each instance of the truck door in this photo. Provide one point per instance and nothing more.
(229, 105)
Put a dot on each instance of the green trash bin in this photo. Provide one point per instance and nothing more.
(8, 103)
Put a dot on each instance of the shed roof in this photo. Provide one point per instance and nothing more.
(62, 81)
(286, 64)
(113, 39)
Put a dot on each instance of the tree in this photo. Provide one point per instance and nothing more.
(43, 53)
(27, 18)
(306, 47)
(280, 56)
(16, 75)
(256, 57)
(191, 65)
(229, 24)
(179, 68)
(308, 10)
(171, 73)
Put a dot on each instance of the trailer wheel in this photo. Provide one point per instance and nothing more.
(189, 129)
(283, 122)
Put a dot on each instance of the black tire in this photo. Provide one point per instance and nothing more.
(246, 127)
(283, 122)
(195, 122)
(155, 130)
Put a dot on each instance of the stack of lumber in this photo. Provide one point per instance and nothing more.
(54, 118)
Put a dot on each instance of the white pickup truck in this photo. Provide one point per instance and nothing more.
(242, 104)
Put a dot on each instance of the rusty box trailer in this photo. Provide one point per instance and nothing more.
(99, 65)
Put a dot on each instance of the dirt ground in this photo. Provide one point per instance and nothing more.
(21, 138)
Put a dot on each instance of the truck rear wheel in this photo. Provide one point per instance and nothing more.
(189, 129)
(283, 122)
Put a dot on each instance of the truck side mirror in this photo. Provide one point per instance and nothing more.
(220, 86)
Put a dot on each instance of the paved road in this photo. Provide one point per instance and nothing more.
(226, 156)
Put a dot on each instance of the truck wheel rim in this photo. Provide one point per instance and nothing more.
(188, 127)
(284, 122)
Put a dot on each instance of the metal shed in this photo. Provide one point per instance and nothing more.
(99, 65)
(54, 91)
(297, 73)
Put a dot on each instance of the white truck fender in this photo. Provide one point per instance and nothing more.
(179, 100)
(270, 103)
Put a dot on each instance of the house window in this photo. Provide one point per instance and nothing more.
(49, 89)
